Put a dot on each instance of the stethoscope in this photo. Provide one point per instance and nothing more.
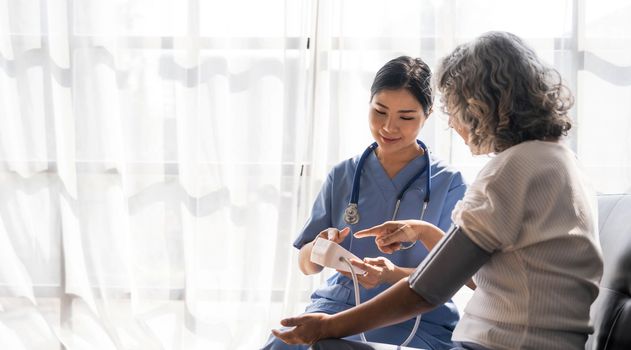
(351, 213)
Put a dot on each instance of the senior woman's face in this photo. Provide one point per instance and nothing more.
(460, 129)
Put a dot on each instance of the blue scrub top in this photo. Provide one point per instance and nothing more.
(377, 199)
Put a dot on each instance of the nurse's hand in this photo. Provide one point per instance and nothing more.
(378, 270)
(390, 234)
(308, 329)
(304, 256)
(335, 235)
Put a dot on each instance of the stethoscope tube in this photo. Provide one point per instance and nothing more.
(351, 213)
(351, 216)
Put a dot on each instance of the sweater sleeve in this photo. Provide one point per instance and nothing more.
(491, 212)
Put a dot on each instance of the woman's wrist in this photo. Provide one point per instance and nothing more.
(396, 275)
(427, 233)
(417, 230)
(329, 330)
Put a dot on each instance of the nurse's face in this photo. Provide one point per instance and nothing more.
(396, 117)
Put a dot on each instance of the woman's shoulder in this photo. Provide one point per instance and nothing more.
(529, 158)
(535, 151)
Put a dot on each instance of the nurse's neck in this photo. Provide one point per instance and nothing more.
(393, 161)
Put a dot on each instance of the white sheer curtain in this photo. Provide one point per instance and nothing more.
(604, 92)
(149, 170)
(157, 157)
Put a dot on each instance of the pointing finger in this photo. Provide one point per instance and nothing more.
(378, 230)
(370, 232)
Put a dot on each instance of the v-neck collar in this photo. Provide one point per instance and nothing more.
(392, 187)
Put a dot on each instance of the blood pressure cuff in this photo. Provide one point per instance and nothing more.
(451, 263)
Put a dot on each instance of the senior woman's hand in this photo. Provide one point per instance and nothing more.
(308, 329)
(396, 304)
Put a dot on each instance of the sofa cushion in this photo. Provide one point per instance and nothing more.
(611, 312)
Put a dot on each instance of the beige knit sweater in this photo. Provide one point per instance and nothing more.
(530, 205)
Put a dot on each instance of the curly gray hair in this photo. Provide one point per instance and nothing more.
(499, 89)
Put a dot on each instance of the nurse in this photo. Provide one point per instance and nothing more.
(392, 184)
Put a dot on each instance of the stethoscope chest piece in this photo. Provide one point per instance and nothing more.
(351, 214)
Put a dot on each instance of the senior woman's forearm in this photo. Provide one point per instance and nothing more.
(396, 304)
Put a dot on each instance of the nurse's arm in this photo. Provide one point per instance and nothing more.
(304, 255)
(304, 260)
(390, 235)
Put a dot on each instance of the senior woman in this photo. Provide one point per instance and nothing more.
(525, 229)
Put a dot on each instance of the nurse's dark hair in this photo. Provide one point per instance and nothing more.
(499, 89)
(406, 73)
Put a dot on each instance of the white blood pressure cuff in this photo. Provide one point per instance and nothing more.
(451, 263)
